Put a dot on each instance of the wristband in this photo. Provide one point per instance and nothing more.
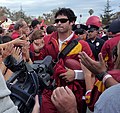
(79, 75)
(101, 75)
(88, 92)
(106, 77)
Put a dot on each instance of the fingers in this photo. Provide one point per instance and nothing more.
(61, 92)
(58, 92)
(37, 105)
(69, 91)
(64, 77)
(85, 59)
(100, 58)
(16, 53)
(89, 63)
(36, 99)
(8, 49)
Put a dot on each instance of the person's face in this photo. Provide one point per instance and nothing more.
(25, 28)
(37, 27)
(92, 34)
(40, 40)
(63, 24)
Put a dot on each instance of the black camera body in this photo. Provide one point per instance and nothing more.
(28, 80)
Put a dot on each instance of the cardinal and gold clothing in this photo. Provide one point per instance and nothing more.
(107, 50)
(78, 87)
(93, 95)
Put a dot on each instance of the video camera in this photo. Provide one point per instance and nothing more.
(28, 80)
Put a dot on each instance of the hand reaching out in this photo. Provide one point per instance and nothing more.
(25, 52)
(7, 50)
(16, 53)
(96, 67)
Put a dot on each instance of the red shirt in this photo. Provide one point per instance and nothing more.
(78, 87)
(107, 50)
(15, 35)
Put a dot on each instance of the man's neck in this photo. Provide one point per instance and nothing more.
(63, 36)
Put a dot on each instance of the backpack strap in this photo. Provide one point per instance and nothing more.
(26, 98)
(68, 48)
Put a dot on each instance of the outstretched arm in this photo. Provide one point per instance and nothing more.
(98, 68)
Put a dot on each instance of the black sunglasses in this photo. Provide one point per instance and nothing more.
(62, 20)
(91, 30)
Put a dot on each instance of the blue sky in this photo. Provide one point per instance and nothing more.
(38, 7)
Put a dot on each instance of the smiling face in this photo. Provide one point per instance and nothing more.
(63, 24)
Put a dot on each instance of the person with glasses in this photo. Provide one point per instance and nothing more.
(108, 101)
(94, 24)
(54, 44)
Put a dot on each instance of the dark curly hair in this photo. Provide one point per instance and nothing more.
(66, 12)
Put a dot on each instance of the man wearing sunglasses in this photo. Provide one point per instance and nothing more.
(54, 44)
(94, 24)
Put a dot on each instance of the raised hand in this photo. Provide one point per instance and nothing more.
(18, 42)
(16, 53)
(96, 67)
(7, 50)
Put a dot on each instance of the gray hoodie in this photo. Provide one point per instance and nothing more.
(6, 104)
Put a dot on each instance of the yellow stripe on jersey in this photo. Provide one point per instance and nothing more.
(100, 86)
(75, 50)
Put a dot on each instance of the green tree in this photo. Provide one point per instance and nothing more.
(15, 15)
(108, 15)
(21, 14)
(48, 17)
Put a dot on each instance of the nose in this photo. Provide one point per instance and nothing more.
(59, 22)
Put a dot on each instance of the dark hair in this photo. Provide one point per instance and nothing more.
(19, 24)
(37, 34)
(1, 30)
(34, 23)
(79, 31)
(66, 12)
(50, 29)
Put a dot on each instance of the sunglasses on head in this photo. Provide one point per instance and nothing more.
(62, 20)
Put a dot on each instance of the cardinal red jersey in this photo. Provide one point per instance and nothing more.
(107, 50)
(78, 87)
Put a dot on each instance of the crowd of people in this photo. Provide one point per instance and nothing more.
(94, 85)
